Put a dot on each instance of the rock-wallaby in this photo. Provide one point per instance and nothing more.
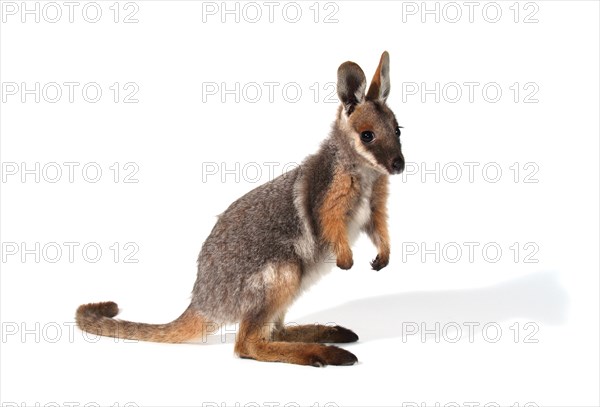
(273, 242)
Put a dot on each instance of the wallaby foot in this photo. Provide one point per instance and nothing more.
(309, 354)
(256, 344)
(315, 334)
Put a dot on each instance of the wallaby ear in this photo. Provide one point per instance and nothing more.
(380, 85)
(351, 85)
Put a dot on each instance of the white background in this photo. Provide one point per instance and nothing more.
(174, 137)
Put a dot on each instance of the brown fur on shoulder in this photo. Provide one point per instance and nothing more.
(377, 228)
(338, 201)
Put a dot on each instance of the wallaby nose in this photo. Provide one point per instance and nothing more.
(398, 164)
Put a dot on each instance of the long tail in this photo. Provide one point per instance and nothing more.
(98, 319)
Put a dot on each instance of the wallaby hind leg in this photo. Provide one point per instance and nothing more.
(257, 334)
(315, 334)
(254, 341)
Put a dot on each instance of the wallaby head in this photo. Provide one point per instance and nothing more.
(366, 120)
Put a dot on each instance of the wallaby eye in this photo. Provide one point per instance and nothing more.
(367, 136)
(398, 132)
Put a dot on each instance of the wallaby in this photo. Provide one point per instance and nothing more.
(273, 242)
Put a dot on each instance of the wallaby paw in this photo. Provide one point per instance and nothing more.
(379, 262)
(332, 355)
(345, 263)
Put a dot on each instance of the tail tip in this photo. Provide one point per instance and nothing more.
(107, 309)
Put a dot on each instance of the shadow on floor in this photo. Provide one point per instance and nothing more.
(538, 298)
